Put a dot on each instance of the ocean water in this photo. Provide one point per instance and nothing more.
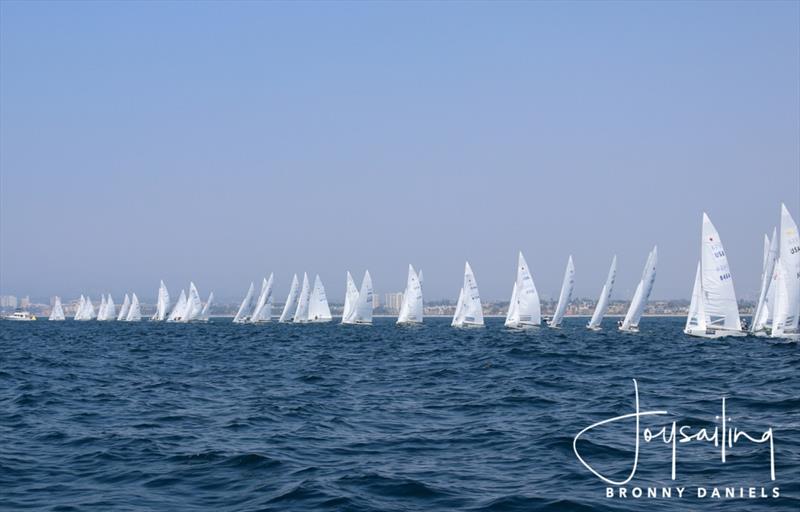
(216, 416)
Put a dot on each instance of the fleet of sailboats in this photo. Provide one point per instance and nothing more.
(778, 309)
(713, 311)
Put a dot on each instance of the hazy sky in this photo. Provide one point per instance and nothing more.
(220, 141)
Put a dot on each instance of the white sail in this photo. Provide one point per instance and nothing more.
(642, 294)
(90, 313)
(243, 315)
(512, 316)
(206, 313)
(566, 294)
(194, 306)
(301, 313)
(135, 311)
(57, 314)
(291, 301)
(761, 314)
(696, 320)
(411, 310)
(719, 297)
(111, 309)
(162, 304)
(459, 309)
(263, 310)
(781, 301)
(419, 276)
(350, 299)
(123, 310)
(318, 310)
(179, 309)
(101, 309)
(79, 308)
(789, 306)
(363, 313)
(525, 308)
(605, 297)
(470, 314)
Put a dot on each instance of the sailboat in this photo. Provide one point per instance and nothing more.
(287, 315)
(524, 309)
(358, 305)
(566, 294)
(101, 309)
(350, 299)
(301, 312)
(57, 314)
(713, 312)
(135, 311)
(411, 308)
(162, 304)
(469, 312)
(263, 310)
(642, 294)
(243, 314)
(787, 281)
(194, 306)
(605, 296)
(318, 309)
(123, 310)
(762, 317)
(179, 309)
(87, 311)
(205, 314)
(109, 310)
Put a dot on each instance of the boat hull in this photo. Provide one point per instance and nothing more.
(714, 333)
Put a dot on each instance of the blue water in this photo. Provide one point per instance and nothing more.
(148, 416)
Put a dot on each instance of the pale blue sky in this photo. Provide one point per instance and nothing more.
(221, 141)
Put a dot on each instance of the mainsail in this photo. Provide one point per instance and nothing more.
(291, 301)
(123, 310)
(194, 306)
(787, 311)
(566, 294)
(363, 309)
(318, 310)
(179, 310)
(135, 312)
(469, 312)
(162, 305)
(206, 313)
(242, 315)
(101, 310)
(79, 308)
(525, 308)
(57, 313)
(642, 294)
(301, 313)
(263, 309)
(350, 299)
(761, 316)
(411, 308)
(605, 296)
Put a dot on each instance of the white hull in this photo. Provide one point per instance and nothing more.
(714, 333)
